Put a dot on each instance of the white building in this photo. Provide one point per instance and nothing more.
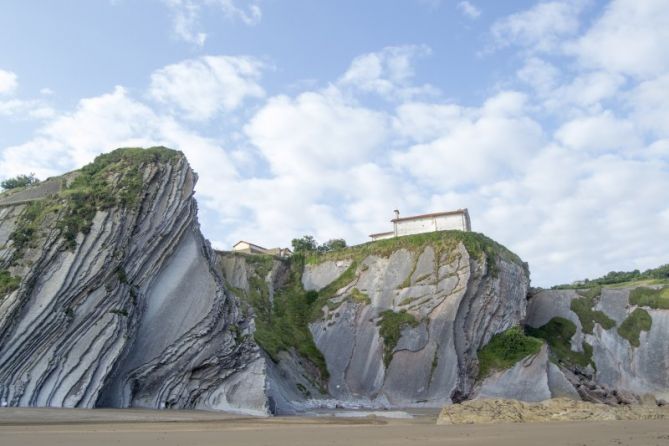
(417, 224)
(251, 248)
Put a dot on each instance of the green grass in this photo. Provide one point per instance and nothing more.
(478, 245)
(558, 333)
(390, 329)
(639, 320)
(506, 349)
(8, 283)
(583, 307)
(619, 279)
(360, 297)
(650, 297)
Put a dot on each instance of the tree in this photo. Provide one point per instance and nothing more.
(19, 181)
(334, 244)
(304, 244)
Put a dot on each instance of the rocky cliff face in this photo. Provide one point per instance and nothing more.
(395, 324)
(625, 342)
(113, 297)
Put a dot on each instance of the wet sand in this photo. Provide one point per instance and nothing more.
(56, 427)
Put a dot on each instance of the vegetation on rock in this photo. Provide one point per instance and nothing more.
(583, 307)
(650, 297)
(558, 333)
(283, 324)
(505, 349)
(478, 246)
(8, 283)
(639, 320)
(390, 328)
(112, 179)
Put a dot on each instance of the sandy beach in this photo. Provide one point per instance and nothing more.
(65, 427)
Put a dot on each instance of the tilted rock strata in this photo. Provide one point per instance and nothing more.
(458, 303)
(135, 316)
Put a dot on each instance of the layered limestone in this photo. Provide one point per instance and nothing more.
(560, 409)
(618, 366)
(130, 311)
(455, 302)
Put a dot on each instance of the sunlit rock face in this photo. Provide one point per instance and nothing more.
(129, 311)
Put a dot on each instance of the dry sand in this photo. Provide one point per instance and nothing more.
(56, 427)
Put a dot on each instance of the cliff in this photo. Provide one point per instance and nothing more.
(110, 295)
(392, 323)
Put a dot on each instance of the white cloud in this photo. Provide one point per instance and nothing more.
(388, 72)
(492, 144)
(315, 132)
(469, 10)
(205, 86)
(600, 133)
(540, 28)
(8, 82)
(630, 38)
(186, 16)
(651, 108)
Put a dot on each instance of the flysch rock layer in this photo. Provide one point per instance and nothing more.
(458, 302)
(76, 333)
(619, 365)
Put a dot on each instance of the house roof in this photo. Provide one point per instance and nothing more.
(250, 244)
(436, 214)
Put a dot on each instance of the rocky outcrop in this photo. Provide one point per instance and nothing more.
(534, 378)
(456, 301)
(129, 310)
(560, 409)
(619, 371)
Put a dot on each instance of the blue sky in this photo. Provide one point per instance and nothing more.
(547, 119)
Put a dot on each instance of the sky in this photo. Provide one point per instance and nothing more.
(548, 120)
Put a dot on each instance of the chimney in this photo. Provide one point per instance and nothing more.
(397, 213)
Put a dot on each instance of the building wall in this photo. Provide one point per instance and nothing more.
(430, 224)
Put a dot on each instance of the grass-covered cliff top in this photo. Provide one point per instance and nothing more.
(112, 179)
(442, 241)
(623, 279)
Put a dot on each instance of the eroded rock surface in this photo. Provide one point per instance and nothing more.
(131, 313)
(559, 409)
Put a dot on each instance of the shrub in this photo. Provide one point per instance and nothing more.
(19, 181)
(506, 349)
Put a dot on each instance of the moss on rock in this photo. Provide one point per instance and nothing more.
(558, 333)
(639, 320)
(390, 328)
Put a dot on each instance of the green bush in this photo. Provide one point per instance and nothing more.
(639, 320)
(506, 349)
(390, 329)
